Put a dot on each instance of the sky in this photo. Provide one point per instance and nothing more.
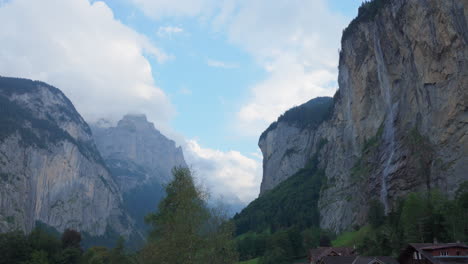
(210, 74)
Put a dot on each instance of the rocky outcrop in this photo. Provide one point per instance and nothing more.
(140, 159)
(135, 140)
(399, 121)
(51, 171)
(286, 145)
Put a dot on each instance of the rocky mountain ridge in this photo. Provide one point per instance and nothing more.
(51, 170)
(399, 121)
(141, 160)
(136, 140)
(54, 171)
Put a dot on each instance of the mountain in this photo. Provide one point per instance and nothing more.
(398, 122)
(286, 143)
(50, 169)
(141, 160)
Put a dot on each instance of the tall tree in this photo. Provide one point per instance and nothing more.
(184, 230)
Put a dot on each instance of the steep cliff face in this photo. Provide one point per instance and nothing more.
(137, 141)
(286, 145)
(50, 168)
(399, 121)
(141, 160)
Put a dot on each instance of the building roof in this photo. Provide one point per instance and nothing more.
(446, 245)
(320, 252)
(358, 260)
(425, 248)
(380, 259)
(338, 259)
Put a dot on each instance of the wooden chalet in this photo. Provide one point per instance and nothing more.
(428, 253)
(315, 255)
(357, 260)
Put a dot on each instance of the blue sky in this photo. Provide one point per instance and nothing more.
(206, 97)
(210, 74)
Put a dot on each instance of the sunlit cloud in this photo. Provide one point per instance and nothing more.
(101, 64)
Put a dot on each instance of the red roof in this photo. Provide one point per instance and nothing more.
(447, 245)
(425, 248)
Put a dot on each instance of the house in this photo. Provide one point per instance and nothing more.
(357, 260)
(316, 254)
(428, 253)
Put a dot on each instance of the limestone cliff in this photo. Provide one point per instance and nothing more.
(287, 143)
(50, 169)
(141, 160)
(399, 121)
(136, 140)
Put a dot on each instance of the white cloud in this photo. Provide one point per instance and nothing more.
(221, 64)
(257, 155)
(289, 84)
(295, 41)
(169, 31)
(163, 8)
(82, 49)
(230, 174)
(297, 44)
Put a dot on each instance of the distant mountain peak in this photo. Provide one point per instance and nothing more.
(136, 118)
(137, 140)
(137, 122)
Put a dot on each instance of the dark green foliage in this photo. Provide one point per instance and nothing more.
(366, 13)
(325, 240)
(251, 245)
(376, 213)
(117, 254)
(286, 210)
(45, 244)
(308, 115)
(71, 238)
(311, 237)
(103, 255)
(275, 255)
(70, 255)
(39, 247)
(15, 248)
(283, 246)
(42, 247)
(291, 203)
(184, 230)
(419, 218)
(108, 239)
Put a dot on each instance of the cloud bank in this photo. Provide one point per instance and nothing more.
(79, 47)
(229, 175)
(295, 41)
(104, 66)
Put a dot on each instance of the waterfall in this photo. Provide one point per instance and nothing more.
(389, 128)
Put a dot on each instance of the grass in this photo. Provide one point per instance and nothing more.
(351, 238)
(252, 261)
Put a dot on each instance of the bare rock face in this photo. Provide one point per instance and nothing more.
(399, 121)
(50, 168)
(287, 144)
(141, 160)
(135, 140)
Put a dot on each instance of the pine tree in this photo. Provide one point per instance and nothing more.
(184, 230)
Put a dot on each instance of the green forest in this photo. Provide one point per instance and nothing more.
(422, 217)
(184, 230)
